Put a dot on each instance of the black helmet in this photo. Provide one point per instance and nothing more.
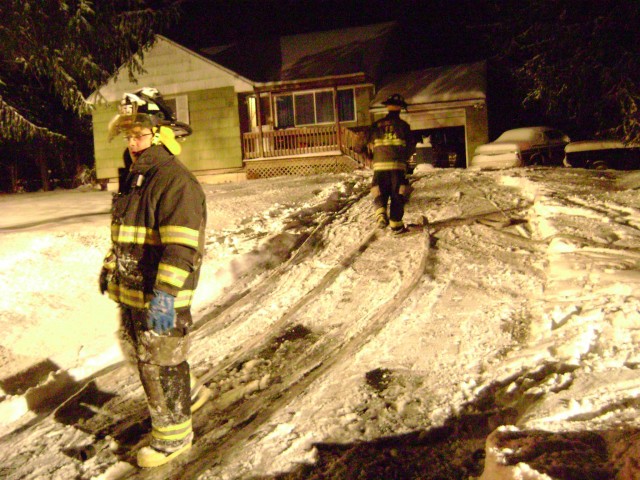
(397, 100)
(145, 108)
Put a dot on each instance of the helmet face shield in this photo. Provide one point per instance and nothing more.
(124, 124)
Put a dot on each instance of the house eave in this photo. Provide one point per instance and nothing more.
(311, 83)
(437, 105)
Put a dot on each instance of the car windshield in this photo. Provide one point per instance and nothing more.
(554, 134)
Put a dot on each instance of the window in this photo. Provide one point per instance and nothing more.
(346, 105)
(284, 111)
(305, 112)
(313, 108)
(180, 106)
(324, 107)
(252, 110)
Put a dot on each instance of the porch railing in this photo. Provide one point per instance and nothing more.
(300, 141)
(351, 144)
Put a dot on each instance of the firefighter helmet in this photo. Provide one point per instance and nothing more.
(146, 108)
(396, 100)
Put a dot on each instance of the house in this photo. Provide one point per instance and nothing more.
(291, 105)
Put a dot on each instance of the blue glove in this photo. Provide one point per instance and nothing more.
(161, 315)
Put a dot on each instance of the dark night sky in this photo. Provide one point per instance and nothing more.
(433, 31)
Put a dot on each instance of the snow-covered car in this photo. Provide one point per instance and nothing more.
(602, 154)
(522, 147)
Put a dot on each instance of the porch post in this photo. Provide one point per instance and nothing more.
(335, 116)
(259, 122)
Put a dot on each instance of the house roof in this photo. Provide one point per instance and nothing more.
(172, 69)
(439, 84)
(337, 55)
(307, 56)
(336, 52)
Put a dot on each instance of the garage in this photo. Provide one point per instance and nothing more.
(446, 106)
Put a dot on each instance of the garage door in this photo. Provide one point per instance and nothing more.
(436, 119)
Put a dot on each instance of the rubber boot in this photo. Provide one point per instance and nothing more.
(168, 395)
(381, 217)
(199, 394)
(398, 228)
(150, 457)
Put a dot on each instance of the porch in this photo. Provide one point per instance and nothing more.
(315, 141)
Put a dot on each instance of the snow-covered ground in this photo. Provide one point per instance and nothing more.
(519, 303)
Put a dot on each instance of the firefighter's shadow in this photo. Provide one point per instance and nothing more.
(450, 452)
(48, 389)
(457, 449)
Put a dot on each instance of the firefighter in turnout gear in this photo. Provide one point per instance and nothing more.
(157, 233)
(392, 144)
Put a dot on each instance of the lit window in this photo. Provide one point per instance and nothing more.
(313, 108)
(305, 114)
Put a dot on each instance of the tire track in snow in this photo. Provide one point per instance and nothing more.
(126, 414)
(306, 369)
(250, 414)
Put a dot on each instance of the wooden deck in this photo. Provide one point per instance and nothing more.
(292, 142)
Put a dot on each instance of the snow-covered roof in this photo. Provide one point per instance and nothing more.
(307, 56)
(438, 84)
(334, 52)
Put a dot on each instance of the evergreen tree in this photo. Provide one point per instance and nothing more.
(577, 60)
(55, 54)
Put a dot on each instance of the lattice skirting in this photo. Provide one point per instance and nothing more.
(299, 166)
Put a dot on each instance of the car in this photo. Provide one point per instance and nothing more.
(522, 147)
(602, 154)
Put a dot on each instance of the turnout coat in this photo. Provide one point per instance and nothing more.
(392, 143)
(157, 232)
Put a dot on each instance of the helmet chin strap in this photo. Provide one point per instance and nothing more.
(156, 136)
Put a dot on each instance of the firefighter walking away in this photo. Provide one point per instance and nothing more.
(391, 141)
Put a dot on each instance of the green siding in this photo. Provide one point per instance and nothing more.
(214, 144)
(108, 154)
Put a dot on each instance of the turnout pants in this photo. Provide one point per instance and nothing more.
(164, 372)
(389, 187)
